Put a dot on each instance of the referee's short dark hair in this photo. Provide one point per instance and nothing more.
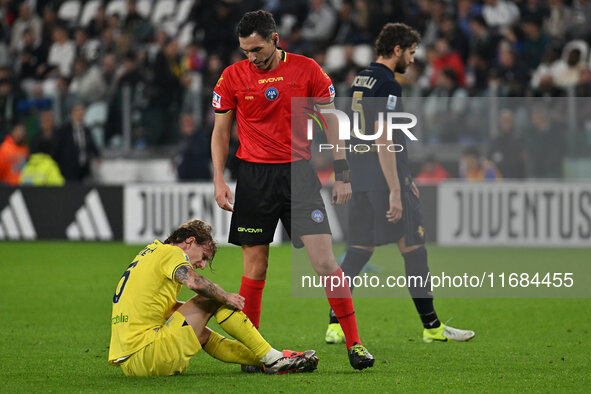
(260, 22)
(393, 34)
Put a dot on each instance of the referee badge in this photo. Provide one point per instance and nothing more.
(317, 216)
(271, 93)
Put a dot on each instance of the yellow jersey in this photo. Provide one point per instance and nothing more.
(144, 297)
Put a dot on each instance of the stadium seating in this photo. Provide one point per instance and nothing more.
(186, 34)
(89, 11)
(117, 7)
(163, 9)
(144, 8)
(69, 11)
(335, 58)
(183, 10)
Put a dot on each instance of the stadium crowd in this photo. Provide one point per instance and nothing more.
(163, 58)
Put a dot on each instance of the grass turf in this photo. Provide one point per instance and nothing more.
(56, 305)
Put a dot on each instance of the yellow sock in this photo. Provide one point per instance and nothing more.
(237, 324)
(229, 350)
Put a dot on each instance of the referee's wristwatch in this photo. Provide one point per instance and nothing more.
(341, 171)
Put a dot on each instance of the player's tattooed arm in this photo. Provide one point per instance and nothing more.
(200, 284)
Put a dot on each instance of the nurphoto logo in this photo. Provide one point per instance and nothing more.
(390, 119)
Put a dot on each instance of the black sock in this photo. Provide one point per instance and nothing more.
(416, 265)
(355, 260)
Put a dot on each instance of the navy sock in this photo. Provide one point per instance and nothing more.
(415, 263)
(355, 260)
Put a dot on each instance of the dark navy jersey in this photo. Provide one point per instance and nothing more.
(376, 81)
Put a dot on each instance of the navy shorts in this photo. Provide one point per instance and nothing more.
(267, 193)
(368, 225)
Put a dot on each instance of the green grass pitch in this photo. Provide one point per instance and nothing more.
(56, 305)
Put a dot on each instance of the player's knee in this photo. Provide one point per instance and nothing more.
(208, 306)
(324, 265)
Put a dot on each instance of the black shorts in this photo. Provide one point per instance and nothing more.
(368, 225)
(267, 193)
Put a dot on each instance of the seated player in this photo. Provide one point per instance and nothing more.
(153, 334)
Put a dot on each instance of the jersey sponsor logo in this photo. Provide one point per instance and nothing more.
(90, 222)
(331, 91)
(250, 230)
(15, 221)
(391, 103)
(216, 101)
(268, 80)
(317, 216)
(249, 97)
(120, 318)
(271, 94)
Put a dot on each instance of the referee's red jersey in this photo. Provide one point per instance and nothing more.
(262, 101)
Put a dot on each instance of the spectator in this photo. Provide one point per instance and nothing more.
(45, 133)
(535, 44)
(136, 26)
(25, 21)
(98, 24)
(545, 67)
(567, 73)
(510, 72)
(581, 20)
(583, 88)
(348, 29)
(74, 148)
(432, 172)
(507, 150)
(559, 18)
(445, 106)
(466, 9)
(500, 14)
(474, 168)
(194, 158)
(85, 47)
(62, 52)
(216, 39)
(87, 82)
(446, 58)
(545, 145)
(50, 22)
(41, 169)
(168, 87)
(128, 76)
(455, 36)
(10, 96)
(13, 155)
(30, 63)
(482, 42)
(319, 26)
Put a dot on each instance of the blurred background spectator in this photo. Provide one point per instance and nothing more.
(74, 148)
(193, 160)
(432, 172)
(13, 155)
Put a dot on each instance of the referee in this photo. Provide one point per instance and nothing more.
(259, 91)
